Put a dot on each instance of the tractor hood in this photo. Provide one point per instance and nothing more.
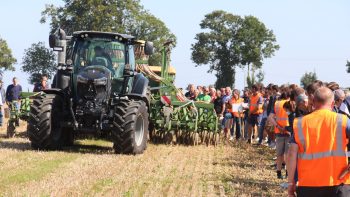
(96, 74)
(94, 83)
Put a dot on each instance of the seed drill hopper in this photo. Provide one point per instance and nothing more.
(173, 117)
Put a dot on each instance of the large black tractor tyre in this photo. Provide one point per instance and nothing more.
(68, 136)
(130, 131)
(44, 125)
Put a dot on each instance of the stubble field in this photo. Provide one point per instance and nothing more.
(90, 168)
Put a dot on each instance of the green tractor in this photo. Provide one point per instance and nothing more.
(96, 91)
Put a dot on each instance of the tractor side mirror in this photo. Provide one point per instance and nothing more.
(52, 41)
(57, 41)
(149, 49)
(128, 72)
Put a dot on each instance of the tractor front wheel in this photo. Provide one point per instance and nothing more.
(130, 131)
(44, 129)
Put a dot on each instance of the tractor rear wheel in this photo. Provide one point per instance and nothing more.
(130, 127)
(44, 129)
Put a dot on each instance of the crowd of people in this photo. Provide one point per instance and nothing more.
(308, 127)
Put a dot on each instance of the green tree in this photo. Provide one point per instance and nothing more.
(255, 78)
(230, 40)
(217, 46)
(308, 78)
(347, 66)
(260, 76)
(127, 17)
(38, 60)
(256, 42)
(6, 58)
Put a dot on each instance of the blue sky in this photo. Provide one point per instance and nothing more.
(313, 35)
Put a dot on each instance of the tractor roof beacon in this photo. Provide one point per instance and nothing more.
(95, 91)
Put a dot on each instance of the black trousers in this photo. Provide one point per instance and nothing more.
(331, 191)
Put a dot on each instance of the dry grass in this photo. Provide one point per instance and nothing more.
(91, 169)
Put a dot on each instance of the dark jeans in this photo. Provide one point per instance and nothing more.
(237, 122)
(1, 116)
(245, 129)
(224, 120)
(336, 191)
(261, 129)
(255, 120)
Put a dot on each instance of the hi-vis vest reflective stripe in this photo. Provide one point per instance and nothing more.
(281, 115)
(253, 103)
(322, 152)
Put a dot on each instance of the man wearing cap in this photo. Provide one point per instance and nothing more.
(319, 149)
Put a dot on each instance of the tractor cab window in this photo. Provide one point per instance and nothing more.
(110, 54)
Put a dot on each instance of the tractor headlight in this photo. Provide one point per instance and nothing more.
(81, 79)
(100, 81)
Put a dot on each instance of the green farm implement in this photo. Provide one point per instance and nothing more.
(19, 110)
(174, 118)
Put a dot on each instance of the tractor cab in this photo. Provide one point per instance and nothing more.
(102, 57)
(109, 50)
(110, 54)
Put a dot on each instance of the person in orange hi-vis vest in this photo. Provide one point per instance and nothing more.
(318, 147)
(255, 110)
(279, 118)
(237, 115)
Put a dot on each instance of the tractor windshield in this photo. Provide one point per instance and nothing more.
(99, 52)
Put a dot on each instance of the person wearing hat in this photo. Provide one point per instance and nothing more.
(2, 102)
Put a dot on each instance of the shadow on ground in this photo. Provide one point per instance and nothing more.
(19, 144)
(254, 183)
(236, 185)
(88, 149)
